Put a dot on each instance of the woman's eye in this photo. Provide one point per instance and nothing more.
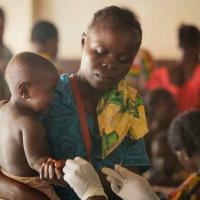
(125, 59)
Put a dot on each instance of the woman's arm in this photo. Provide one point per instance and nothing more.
(11, 189)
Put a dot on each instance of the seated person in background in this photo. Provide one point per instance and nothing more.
(5, 56)
(184, 140)
(32, 80)
(182, 80)
(161, 109)
(141, 70)
(165, 171)
(45, 39)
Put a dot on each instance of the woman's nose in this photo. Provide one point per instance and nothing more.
(109, 63)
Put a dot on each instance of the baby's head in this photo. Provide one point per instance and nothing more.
(32, 80)
(44, 36)
(109, 47)
(184, 138)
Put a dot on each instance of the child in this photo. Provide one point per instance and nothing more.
(23, 143)
(166, 170)
(161, 109)
(184, 140)
(94, 114)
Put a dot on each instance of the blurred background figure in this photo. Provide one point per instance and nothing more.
(45, 39)
(141, 70)
(5, 55)
(161, 109)
(183, 79)
(184, 140)
(165, 171)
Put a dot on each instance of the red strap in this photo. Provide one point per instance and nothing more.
(81, 112)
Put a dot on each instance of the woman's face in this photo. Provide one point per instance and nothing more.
(107, 57)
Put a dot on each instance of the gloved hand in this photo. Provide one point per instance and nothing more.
(129, 185)
(82, 177)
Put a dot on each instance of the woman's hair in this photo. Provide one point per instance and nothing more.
(43, 31)
(189, 36)
(184, 132)
(120, 19)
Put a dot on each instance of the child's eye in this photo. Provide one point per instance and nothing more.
(125, 59)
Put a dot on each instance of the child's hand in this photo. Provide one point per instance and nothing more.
(52, 172)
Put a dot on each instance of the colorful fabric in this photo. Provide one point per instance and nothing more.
(189, 190)
(120, 112)
(36, 183)
(143, 63)
(66, 141)
(187, 96)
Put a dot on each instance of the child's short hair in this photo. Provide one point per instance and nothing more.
(189, 36)
(184, 132)
(120, 17)
(26, 66)
(43, 31)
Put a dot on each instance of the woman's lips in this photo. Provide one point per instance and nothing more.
(103, 79)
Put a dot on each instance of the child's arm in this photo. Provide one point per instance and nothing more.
(35, 142)
(37, 152)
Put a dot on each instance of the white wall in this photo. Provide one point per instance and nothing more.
(18, 23)
(159, 18)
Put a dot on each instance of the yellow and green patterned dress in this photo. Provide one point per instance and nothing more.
(120, 112)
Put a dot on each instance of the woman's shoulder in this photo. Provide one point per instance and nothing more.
(64, 91)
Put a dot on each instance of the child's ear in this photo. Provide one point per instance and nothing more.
(23, 90)
(83, 40)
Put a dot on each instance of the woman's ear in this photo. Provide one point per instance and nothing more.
(23, 90)
(83, 40)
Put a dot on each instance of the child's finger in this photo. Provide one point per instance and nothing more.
(59, 174)
(46, 169)
(52, 174)
(42, 171)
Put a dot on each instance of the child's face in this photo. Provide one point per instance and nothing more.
(41, 94)
(186, 161)
(161, 115)
(163, 159)
(107, 56)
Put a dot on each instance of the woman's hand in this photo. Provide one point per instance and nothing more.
(84, 180)
(127, 184)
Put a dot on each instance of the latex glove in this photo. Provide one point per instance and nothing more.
(127, 184)
(82, 177)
